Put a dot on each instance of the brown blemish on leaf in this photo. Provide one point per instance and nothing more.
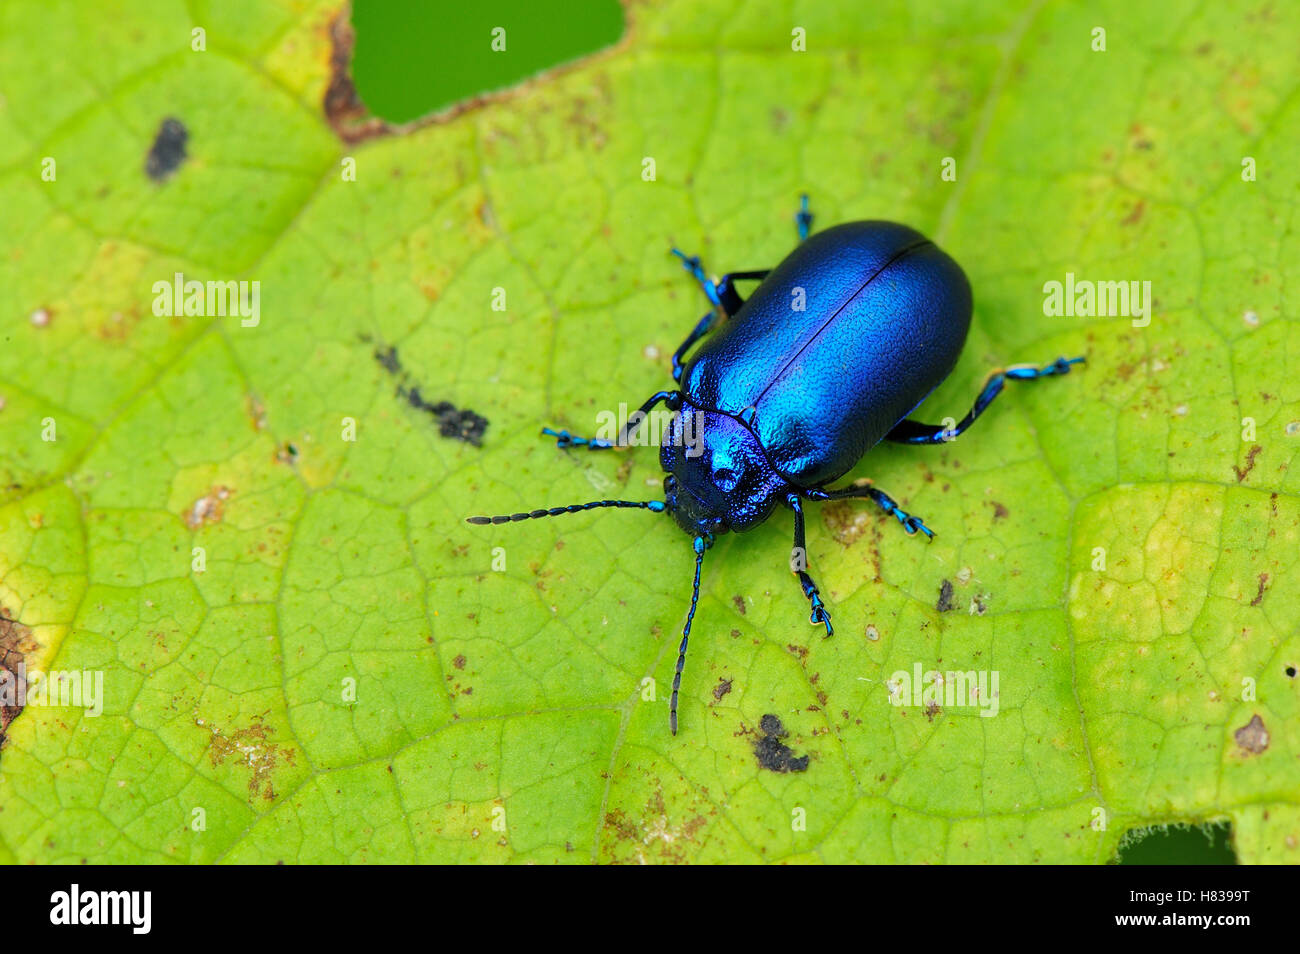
(721, 689)
(347, 115)
(772, 753)
(624, 471)
(1252, 737)
(1263, 585)
(846, 522)
(209, 508)
(1251, 454)
(655, 830)
(739, 602)
(1135, 216)
(251, 748)
(999, 511)
(459, 662)
(256, 412)
(118, 325)
(16, 644)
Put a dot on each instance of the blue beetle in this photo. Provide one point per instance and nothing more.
(830, 354)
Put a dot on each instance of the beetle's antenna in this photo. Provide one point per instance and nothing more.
(655, 506)
(700, 546)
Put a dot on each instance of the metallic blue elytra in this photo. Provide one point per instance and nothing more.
(830, 354)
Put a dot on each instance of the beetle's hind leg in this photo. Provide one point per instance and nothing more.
(565, 440)
(798, 566)
(886, 503)
(914, 432)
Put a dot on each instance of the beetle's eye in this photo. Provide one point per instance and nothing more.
(670, 484)
(724, 478)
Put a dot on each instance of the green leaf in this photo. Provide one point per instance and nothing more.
(499, 710)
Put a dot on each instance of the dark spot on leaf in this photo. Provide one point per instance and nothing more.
(168, 150)
(1252, 736)
(932, 710)
(999, 511)
(462, 424)
(1290, 671)
(459, 423)
(721, 689)
(459, 662)
(388, 360)
(774, 754)
(739, 601)
(946, 602)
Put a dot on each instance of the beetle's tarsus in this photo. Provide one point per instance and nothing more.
(564, 440)
(913, 524)
(820, 617)
(695, 267)
(803, 219)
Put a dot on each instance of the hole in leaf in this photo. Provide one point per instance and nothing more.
(412, 59)
(1205, 844)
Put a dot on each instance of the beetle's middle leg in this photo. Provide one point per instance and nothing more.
(886, 503)
(729, 302)
(722, 294)
(798, 566)
(564, 440)
(914, 432)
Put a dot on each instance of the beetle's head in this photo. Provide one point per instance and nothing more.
(718, 478)
(691, 513)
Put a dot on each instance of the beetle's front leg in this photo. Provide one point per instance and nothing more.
(798, 566)
(565, 440)
(886, 503)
